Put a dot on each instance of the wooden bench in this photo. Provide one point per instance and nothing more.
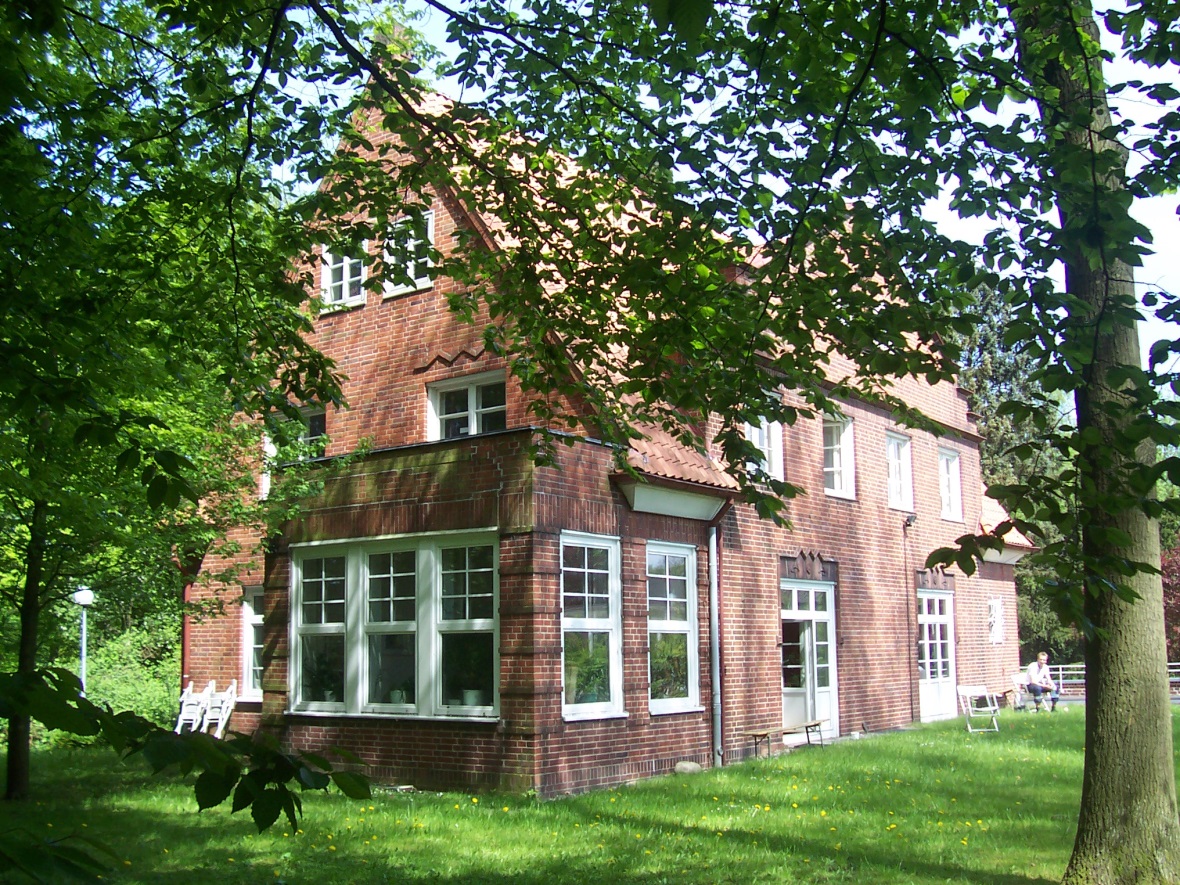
(758, 735)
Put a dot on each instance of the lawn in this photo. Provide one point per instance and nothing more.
(933, 804)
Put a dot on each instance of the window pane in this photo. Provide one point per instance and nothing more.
(585, 582)
(467, 669)
(322, 668)
(391, 668)
(587, 667)
(323, 590)
(259, 643)
(792, 653)
(821, 600)
(467, 583)
(669, 665)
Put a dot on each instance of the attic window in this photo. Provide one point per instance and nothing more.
(468, 406)
(407, 255)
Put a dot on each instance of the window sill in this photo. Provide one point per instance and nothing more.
(671, 712)
(902, 508)
(419, 286)
(341, 306)
(596, 716)
(841, 496)
(489, 719)
(252, 698)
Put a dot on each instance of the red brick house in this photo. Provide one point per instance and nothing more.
(458, 616)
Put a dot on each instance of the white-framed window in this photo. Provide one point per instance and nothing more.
(673, 668)
(839, 458)
(468, 406)
(899, 472)
(402, 626)
(253, 643)
(407, 256)
(342, 280)
(995, 621)
(767, 437)
(591, 626)
(950, 485)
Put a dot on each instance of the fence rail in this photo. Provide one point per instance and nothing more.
(1071, 678)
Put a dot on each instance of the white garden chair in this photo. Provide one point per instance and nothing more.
(192, 708)
(1019, 691)
(220, 706)
(977, 703)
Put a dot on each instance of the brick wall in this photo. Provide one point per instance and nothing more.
(390, 349)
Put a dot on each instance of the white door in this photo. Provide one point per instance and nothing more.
(808, 657)
(936, 656)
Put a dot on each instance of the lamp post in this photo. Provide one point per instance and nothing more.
(84, 596)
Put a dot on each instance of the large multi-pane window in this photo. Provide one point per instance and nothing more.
(468, 406)
(342, 280)
(839, 458)
(405, 626)
(673, 671)
(407, 252)
(899, 471)
(591, 626)
(950, 485)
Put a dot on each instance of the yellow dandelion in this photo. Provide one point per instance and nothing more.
(230, 859)
(823, 814)
(505, 808)
(456, 807)
(126, 863)
(964, 840)
(474, 800)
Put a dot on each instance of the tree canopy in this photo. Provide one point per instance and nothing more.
(802, 144)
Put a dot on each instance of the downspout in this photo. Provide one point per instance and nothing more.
(715, 647)
(715, 633)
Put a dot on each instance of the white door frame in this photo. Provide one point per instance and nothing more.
(937, 697)
(812, 604)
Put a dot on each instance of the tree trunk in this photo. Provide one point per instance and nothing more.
(19, 727)
(1128, 830)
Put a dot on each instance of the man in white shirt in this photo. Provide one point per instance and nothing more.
(1040, 682)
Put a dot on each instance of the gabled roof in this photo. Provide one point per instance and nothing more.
(991, 514)
(662, 455)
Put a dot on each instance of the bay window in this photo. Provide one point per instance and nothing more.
(591, 626)
(405, 626)
(672, 628)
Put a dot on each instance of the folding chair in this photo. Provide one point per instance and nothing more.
(1019, 691)
(977, 702)
(221, 705)
(192, 708)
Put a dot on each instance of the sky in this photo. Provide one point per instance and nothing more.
(1160, 270)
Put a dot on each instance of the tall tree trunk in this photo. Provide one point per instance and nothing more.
(1128, 830)
(19, 730)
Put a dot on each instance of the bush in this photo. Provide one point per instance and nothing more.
(139, 671)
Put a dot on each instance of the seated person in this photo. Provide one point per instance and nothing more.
(1040, 682)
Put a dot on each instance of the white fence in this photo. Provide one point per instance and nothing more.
(1071, 678)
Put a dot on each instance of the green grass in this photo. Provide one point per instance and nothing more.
(934, 804)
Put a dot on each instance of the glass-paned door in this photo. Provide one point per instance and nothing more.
(936, 656)
(808, 656)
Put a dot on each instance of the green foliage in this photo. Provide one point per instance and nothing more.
(254, 771)
(785, 819)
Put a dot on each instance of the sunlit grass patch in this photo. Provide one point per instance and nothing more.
(934, 804)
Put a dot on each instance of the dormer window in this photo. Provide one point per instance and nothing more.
(468, 406)
(407, 255)
(341, 280)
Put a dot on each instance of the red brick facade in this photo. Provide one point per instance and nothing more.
(391, 349)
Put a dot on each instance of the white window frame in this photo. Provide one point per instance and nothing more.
(995, 621)
(423, 263)
(950, 484)
(767, 437)
(350, 264)
(612, 625)
(899, 471)
(840, 474)
(428, 627)
(253, 618)
(689, 628)
(475, 416)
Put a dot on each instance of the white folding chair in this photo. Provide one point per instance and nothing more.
(976, 703)
(192, 708)
(220, 706)
(1019, 691)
